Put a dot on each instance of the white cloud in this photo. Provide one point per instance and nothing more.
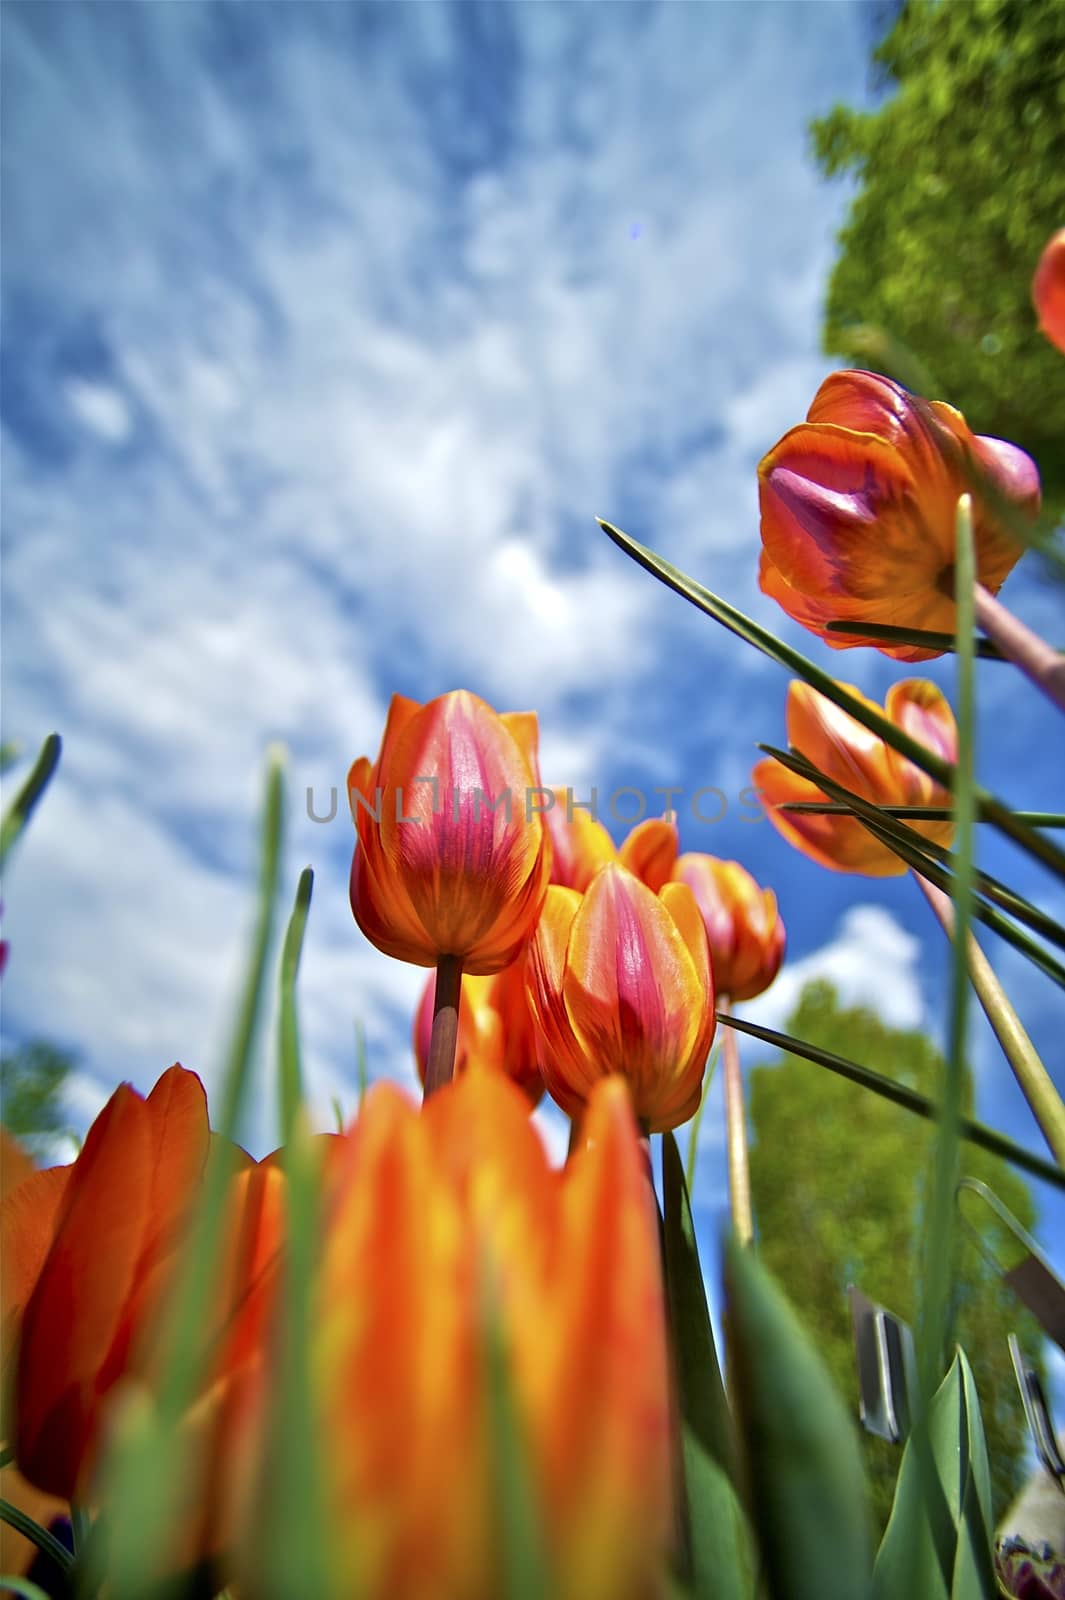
(101, 408)
(872, 961)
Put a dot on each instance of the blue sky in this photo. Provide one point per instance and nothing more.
(328, 331)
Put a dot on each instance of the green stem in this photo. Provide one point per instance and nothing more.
(739, 1169)
(1034, 1079)
(1041, 664)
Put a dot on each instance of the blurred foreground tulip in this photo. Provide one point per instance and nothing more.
(858, 510)
(495, 1029)
(451, 860)
(742, 923)
(620, 982)
(451, 1236)
(1048, 290)
(89, 1254)
(854, 757)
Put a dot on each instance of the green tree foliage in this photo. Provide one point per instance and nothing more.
(961, 181)
(32, 1080)
(838, 1177)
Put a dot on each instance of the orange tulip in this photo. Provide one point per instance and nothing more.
(92, 1250)
(742, 923)
(1048, 289)
(495, 1029)
(849, 754)
(451, 1234)
(858, 510)
(650, 851)
(580, 844)
(620, 982)
(437, 871)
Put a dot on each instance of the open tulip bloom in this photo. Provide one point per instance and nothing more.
(858, 510)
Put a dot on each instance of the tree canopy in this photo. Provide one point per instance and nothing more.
(32, 1080)
(960, 183)
(838, 1178)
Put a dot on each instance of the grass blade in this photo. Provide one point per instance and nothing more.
(696, 1122)
(934, 1315)
(290, 1075)
(1035, 819)
(901, 840)
(974, 1132)
(806, 1484)
(150, 1468)
(45, 1541)
(989, 805)
(22, 807)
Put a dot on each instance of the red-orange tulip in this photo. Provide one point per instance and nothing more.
(742, 924)
(858, 509)
(650, 851)
(495, 1029)
(452, 859)
(620, 982)
(89, 1254)
(450, 1233)
(1048, 289)
(849, 754)
(580, 844)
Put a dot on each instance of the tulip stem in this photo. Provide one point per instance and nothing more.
(1035, 1082)
(440, 1068)
(739, 1169)
(1036, 659)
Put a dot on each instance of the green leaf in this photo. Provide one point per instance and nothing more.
(899, 839)
(1035, 819)
(935, 1297)
(888, 633)
(975, 1132)
(41, 1537)
(994, 809)
(806, 1484)
(943, 1551)
(149, 1465)
(718, 1538)
(21, 808)
(289, 1069)
(21, 1587)
(526, 1568)
(696, 1122)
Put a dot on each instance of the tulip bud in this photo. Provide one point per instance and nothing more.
(743, 926)
(1048, 289)
(450, 861)
(620, 982)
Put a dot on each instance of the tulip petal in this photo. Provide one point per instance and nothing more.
(562, 1062)
(840, 843)
(650, 851)
(74, 1312)
(632, 989)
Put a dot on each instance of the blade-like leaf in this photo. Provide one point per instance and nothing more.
(45, 1541)
(1035, 819)
(948, 1555)
(975, 1132)
(21, 808)
(923, 638)
(719, 1539)
(806, 1484)
(289, 1068)
(989, 805)
(149, 1467)
(696, 1122)
(526, 1567)
(934, 1313)
(898, 838)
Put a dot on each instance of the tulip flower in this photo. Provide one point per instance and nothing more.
(89, 1253)
(858, 509)
(650, 851)
(452, 1237)
(1048, 290)
(620, 982)
(743, 926)
(447, 860)
(452, 858)
(495, 1029)
(852, 756)
(580, 844)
